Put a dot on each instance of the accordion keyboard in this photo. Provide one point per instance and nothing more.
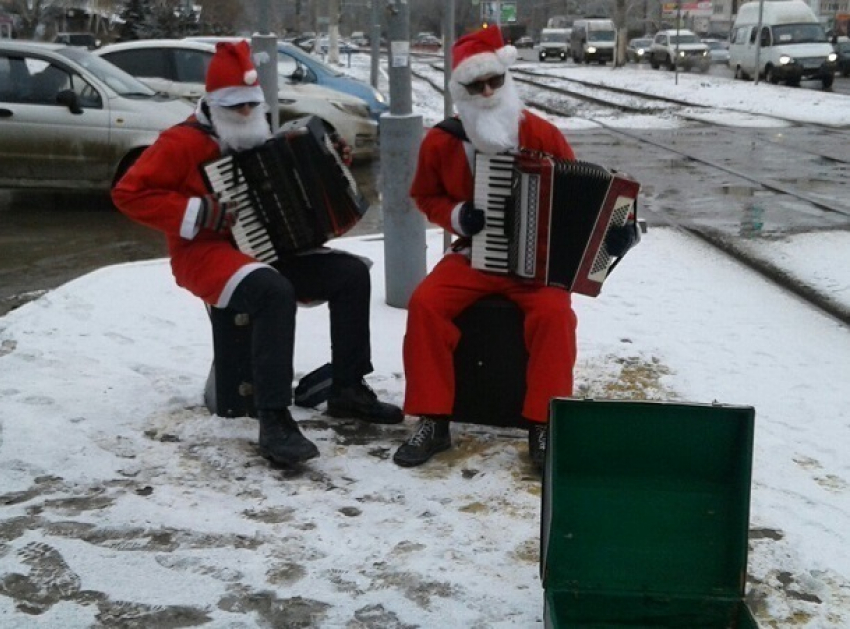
(493, 177)
(225, 179)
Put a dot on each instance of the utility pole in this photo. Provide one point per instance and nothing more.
(375, 42)
(401, 135)
(333, 32)
(264, 51)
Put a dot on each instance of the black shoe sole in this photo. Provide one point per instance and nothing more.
(417, 462)
(289, 460)
(343, 414)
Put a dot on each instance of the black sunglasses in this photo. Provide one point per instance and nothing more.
(237, 106)
(477, 87)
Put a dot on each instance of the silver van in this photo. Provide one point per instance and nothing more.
(790, 46)
(593, 40)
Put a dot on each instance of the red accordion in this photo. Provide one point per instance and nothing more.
(546, 218)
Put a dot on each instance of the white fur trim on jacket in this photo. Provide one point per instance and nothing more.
(456, 220)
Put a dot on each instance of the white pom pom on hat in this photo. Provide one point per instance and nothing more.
(231, 76)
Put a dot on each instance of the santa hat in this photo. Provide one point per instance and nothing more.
(479, 54)
(232, 77)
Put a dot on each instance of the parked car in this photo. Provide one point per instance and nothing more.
(524, 42)
(637, 51)
(301, 67)
(86, 40)
(678, 48)
(178, 68)
(70, 120)
(427, 43)
(842, 49)
(718, 50)
(322, 45)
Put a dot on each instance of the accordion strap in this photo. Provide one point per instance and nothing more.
(453, 126)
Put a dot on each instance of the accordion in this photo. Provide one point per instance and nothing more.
(546, 218)
(292, 193)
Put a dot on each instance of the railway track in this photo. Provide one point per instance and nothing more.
(827, 210)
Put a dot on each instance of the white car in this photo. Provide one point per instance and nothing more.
(178, 68)
(70, 120)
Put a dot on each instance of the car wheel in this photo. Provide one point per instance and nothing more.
(793, 82)
(653, 63)
(827, 81)
(125, 164)
(671, 65)
(770, 75)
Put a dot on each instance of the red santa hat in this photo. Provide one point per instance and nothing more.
(479, 54)
(232, 77)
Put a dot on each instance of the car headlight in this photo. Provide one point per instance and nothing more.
(591, 49)
(831, 57)
(681, 53)
(380, 97)
(542, 53)
(353, 110)
(640, 52)
(785, 60)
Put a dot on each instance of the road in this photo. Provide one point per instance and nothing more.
(50, 238)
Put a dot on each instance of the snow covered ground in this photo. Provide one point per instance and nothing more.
(126, 504)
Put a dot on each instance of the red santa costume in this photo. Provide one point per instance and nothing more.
(442, 184)
(164, 189)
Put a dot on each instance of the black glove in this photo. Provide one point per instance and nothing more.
(471, 219)
(619, 240)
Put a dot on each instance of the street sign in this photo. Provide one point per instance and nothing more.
(489, 10)
(508, 13)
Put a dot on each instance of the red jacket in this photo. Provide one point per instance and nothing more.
(444, 176)
(158, 190)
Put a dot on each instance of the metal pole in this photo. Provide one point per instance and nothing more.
(264, 50)
(678, 27)
(448, 106)
(758, 41)
(448, 41)
(375, 42)
(401, 134)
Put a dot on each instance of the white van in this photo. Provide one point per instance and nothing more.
(793, 44)
(593, 40)
(554, 44)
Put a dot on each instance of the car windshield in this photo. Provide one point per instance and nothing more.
(600, 35)
(309, 60)
(641, 43)
(553, 38)
(715, 45)
(114, 77)
(684, 39)
(799, 34)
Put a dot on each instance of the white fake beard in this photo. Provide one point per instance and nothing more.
(492, 123)
(237, 132)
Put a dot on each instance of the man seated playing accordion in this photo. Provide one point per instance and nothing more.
(165, 190)
(494, 121)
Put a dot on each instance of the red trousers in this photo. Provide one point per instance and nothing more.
(431, 337)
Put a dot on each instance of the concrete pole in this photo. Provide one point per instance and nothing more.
(401, 134)
(375, 43)
(333, 32)
(448, 41)
(264, 51)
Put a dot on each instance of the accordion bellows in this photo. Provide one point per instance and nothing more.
(293, 193)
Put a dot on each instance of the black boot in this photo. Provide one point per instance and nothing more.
(281, 440)
(431, 436)
(537, 437)
(360, 402)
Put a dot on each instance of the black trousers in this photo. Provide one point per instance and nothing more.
(270, 298)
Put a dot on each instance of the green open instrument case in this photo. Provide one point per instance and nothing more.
(645, 515)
